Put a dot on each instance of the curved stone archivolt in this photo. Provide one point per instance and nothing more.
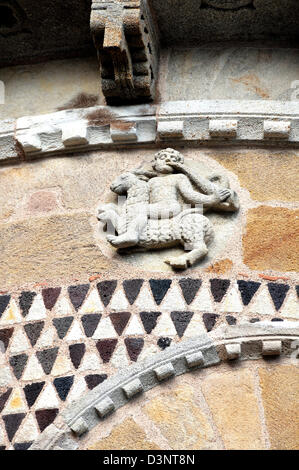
(238, 343)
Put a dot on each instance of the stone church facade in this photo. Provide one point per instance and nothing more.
(122, 327)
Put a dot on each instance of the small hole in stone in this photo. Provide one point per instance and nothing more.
(7, 17)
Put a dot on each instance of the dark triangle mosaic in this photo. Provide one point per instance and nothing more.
(149, 320)
(63, 386)
(77, 294)
(132, 288)
(23, 446)
(32, 391)
(45, 417)
(278, 293)
(90, 323)
(5, 336)
(209, 320)
(247, 290)
(50, 296)
(62, 325)
(4, 397)
(106, 290)
(94, 379)
(4, 301)
(25, 301)
(181, 320)
(77, 352)
(119, 321)
(189, 288)
(106, 348)
(12, 424)
(219, 288)
(33, 331)
(47, 359)
(18, 364)
(134, 347)
(159, 288)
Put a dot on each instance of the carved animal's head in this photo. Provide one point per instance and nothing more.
(126, 180)
(165, 156)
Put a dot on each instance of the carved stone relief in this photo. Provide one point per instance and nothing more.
(164, 208)
(125, 39)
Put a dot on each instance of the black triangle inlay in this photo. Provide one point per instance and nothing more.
(25, 301)
(106, 290)
(23, 445)
(62, 325)
(278, 293)
(45, 418)
(4, 397)
(149, 320)
(90, 323)
(63, 386)
(32, 392)
(159, 288)
(247, 290)
(50, 296)
(47, 359)
(134, 347)
(189, 288)
(5, 336)
(119, 321)
(77, 352)
(95, 379)
(106, 348)
(4, 301)
(33, 331)
(219, 288)
(12, 424)
(77, 294)
(209, 320)
(18, 364)
(181, 320)
(132, 288)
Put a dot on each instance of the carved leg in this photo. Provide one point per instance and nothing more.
(110, 217)
(184, 261)
(107, 207)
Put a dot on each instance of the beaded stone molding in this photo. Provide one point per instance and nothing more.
(228, 343)
(210, 122)
(57, 343)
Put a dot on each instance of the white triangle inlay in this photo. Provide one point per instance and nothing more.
(19, 342)
(92, 304)
(165, 326)
(33, 370)
(134, 327)
(119, 301)
(75, 333)
(11, 314)
(28, 431)
(15, 403)
(203, 301)
(48, 398)
(232, 302)
(145, 301)
(105, 330)
(290, 307)
(173, 300)
(63, 307)
(263, 304)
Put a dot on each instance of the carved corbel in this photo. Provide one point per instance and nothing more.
(126, 41)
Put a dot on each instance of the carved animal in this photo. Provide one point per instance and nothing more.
(190, 228)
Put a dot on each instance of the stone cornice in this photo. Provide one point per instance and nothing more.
(205, 122)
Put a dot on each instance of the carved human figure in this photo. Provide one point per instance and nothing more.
(164, 191)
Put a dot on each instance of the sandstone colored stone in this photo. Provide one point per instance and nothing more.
(181, 419)
(280, 394)
(47, 248)
(234, 406)
(220, 267)
(42, 201)
(126, 436)
(268, 175)
(271, 239)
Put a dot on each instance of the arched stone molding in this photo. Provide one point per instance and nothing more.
(243, 342)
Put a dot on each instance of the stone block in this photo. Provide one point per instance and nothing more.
(233, 351)
(277, 129)
(122, 131)
(74, 133)
(271, 348)
(195, 359)
(133, 388)
(104, 407)
(164, 372)
(223, 127)
(79, 427)
(170, 129)
(8, 149)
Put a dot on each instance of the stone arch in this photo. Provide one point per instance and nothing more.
(238, 343)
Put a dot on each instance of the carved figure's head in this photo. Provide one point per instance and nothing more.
(125, 181)
(164, 157)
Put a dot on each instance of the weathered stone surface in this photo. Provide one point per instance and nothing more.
(126, 436)
(271, 239)
(47, 248)
(232, 400)
(268, 175)
(181, 420)
(280, 394)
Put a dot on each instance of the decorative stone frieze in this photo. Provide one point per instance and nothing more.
(126, 41)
